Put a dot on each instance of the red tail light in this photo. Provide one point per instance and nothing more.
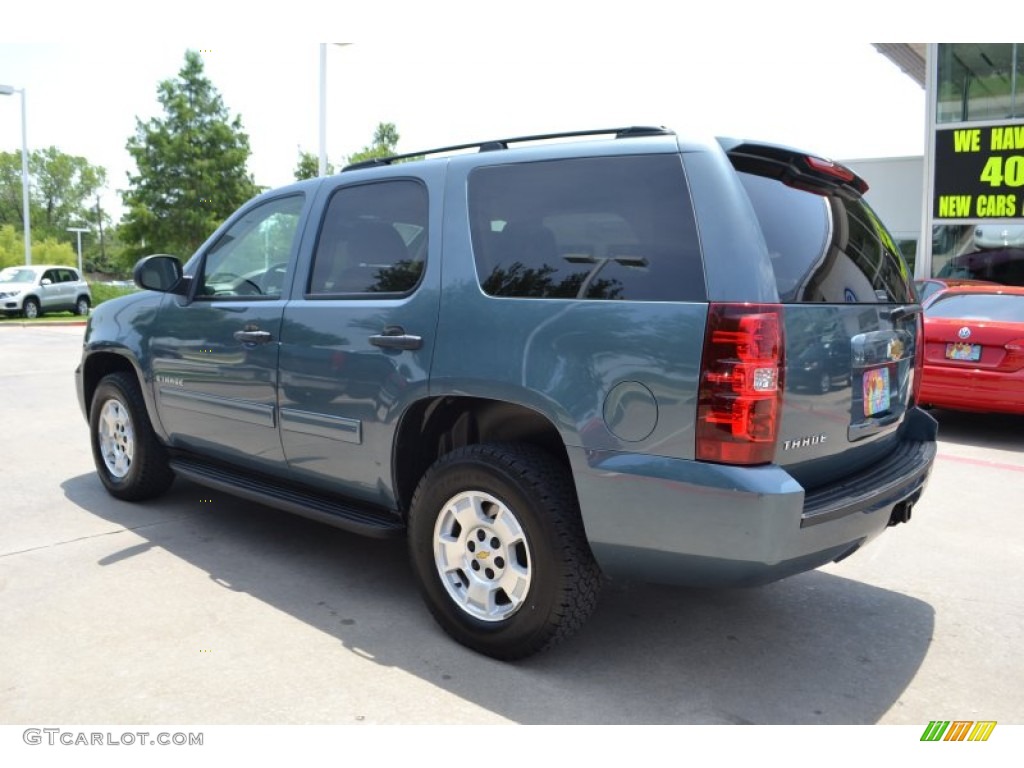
(1014, 359)
(740, 399)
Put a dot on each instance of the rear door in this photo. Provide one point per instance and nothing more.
(850, 313)
(357, 342)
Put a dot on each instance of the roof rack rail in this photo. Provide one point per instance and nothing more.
(498, 144)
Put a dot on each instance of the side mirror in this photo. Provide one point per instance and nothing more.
(46, 281)
(160, 272)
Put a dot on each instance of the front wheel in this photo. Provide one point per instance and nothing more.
(31, 309)
(498, 545)
(131, 462)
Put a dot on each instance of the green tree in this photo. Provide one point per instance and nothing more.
(10, 189)
(191, 167)
(62, 187)
(385, 144)
(46, 250)
(308, 166)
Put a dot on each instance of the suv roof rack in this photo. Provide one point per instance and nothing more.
(496, 144)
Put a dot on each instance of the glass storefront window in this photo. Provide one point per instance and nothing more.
(984, 251)
(980, 81)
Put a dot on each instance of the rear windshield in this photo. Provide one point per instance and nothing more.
(979, 306)
(827, 249)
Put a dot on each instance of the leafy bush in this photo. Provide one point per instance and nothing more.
(104, 292)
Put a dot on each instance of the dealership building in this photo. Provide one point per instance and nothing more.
(959, 209)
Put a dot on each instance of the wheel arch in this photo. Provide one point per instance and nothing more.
(435, 426)
(102, 363)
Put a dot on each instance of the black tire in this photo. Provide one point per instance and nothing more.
(30, 309)
(824, 383)
(547, 544)
(82, 306)
(135, 466)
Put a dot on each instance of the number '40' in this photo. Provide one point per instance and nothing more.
(998, 174)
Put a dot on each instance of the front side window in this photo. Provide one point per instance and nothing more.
(586, 228)
(250, 259)
(373, 240)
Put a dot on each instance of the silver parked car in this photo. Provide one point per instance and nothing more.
(33, 290)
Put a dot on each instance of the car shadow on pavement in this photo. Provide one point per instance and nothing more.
(985, 430)
(815, 648)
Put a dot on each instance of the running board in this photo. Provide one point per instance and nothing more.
(319, 507)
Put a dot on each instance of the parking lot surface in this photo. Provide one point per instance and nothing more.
(202, 608)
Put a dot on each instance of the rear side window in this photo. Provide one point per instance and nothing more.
(827, 249)
(586, 228)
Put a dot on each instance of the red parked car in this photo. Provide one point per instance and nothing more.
(974, 349)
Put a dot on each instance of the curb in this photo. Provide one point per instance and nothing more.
(45, 324)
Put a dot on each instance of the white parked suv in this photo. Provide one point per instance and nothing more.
(33, 290)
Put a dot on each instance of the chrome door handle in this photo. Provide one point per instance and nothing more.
(395, 337)
(253, 337)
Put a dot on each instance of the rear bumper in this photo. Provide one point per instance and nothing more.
(686, 522)
(973, 390)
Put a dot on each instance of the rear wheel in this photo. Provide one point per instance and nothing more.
(824, 383)
(498, 546)
(31, 309)
(130, 460)
(82, 306)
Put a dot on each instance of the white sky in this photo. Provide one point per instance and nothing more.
(445, 77)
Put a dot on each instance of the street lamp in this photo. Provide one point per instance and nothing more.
(8, 90)
(322, 167)
(78, 231)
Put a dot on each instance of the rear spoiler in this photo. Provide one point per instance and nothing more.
(794, 168)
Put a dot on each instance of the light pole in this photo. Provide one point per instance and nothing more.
(322, 167)
(78, 231)
(8, 90)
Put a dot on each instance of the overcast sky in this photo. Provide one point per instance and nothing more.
(824, 91)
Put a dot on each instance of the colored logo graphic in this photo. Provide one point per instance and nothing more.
(876, 391)
(958, 730)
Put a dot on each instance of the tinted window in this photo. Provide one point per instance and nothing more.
(251, 258)
(827, 249)
(373, 240)
(999, 265)
(979, 306)
(595, 228)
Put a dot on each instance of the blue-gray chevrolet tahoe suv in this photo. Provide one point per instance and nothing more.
(541, 363)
